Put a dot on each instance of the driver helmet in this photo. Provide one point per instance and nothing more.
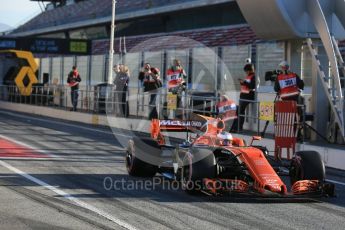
(225, 138)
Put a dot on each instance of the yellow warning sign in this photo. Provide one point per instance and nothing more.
(171, 101)
(266, 111)
(95, 119)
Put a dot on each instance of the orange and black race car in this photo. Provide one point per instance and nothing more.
(213, 161)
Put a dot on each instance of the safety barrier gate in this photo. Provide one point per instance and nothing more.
(285, 122)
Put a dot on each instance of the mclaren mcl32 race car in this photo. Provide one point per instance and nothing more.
(211, 160)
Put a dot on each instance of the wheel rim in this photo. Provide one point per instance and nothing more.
(297, 170)
(187, 172)
(129, 160)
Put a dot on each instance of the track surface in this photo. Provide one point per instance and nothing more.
(76, 160)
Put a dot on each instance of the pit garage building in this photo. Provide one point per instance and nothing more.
(211, 38)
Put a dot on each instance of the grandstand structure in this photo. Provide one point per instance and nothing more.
(214, 24)
(219, 39)
(136, 17)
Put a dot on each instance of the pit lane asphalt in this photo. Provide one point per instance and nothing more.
(86, 155)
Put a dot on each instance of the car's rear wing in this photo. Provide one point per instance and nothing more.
(197, 124)
(171, 125)
(179, 126)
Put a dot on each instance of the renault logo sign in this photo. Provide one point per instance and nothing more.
(26, 75)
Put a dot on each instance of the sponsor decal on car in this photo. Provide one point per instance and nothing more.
(180, 123)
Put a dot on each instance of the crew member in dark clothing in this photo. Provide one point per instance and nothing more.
(248, 87)
(121, 83)
(150, 77)
(73, 81)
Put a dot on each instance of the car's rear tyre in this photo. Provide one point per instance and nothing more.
(307, 165)
(137, 149)
(197, 165)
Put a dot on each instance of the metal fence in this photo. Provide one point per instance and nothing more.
(105, 99)
(212, 71)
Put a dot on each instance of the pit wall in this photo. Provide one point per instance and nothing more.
(333, 156)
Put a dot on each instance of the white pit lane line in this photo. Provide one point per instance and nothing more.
(69, 197)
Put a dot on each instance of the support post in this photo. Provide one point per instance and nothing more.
(320, 104)
(293, 54)
(111, 49)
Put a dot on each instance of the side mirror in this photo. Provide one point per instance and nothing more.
(255, 138)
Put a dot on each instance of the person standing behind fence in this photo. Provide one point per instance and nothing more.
(121, 86)
(226, 109)
(176, 80)
(248, 88)
(73, 81)
(150, 77)
(288, 85)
